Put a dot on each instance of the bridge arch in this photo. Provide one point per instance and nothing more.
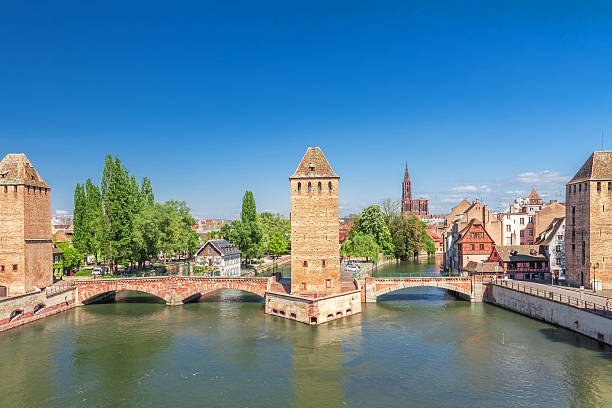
(90, 293)
(381, 286)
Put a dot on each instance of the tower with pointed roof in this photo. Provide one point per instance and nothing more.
(25, 226)
(315, 260)
(420, 207)
(588, 223)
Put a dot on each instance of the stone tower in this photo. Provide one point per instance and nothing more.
(25, 227)
(588, 222)
(406, 193)
(315, 260)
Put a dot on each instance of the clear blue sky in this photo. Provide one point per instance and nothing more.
(482, 99)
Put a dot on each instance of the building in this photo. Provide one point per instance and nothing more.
(483, 269)
(546, 215)
(588, 223)
(58, 266)
(478, 211)
(474, 244)
(419, 207)
(220, 254)
(552, 240)
(437, 239)
(527, 262)
(25, 227)
(315, 259)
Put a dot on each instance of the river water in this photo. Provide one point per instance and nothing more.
(418, 347)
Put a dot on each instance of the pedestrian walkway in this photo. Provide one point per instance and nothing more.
(588, 295)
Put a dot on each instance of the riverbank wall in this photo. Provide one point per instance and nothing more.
(590, 324)
(22, 309)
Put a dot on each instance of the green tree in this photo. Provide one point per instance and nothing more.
(72, 257)
(278, 245)
(81, 234)
(146, 243)
(95, 220)
(409, 236)
(247, 233)
(360, 245)
(391, 209)
(270, 225)
(373, 221)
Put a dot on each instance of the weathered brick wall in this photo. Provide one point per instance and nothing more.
(322, 310)
(600, 234)
(12, 239)
(577, 227)
(37, 232)
(314, 236)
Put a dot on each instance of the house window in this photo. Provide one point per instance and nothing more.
(482, 247)
(530, 231)
(305, 264)
(558, 261)
(471, 247)
(522, 233)
(522, 221)
(328, 283)
(508, 228)
(303, 284)
(599, 186)
(323, 263)
(531, 219)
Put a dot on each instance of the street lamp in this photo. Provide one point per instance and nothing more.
(595, 266)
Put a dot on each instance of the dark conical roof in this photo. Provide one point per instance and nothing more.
(16, 169)
(597, 167)
(314, 164)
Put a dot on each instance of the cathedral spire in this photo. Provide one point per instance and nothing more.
(406, 175)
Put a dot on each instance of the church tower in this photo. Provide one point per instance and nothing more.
(406, 193)
(315, 259)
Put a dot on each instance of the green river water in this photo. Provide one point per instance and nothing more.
(418, 347)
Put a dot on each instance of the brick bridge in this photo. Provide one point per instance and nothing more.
(175, 290)
(468, 288)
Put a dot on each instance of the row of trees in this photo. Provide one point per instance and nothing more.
(258, 234)
(386, 230)
(120, 222)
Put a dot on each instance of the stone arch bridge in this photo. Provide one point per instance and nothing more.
(469, 288)
(175, 290)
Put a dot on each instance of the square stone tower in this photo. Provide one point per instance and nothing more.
(315, 255)
(25, 227)
(588, 223)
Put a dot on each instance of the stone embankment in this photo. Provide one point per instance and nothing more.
(26, 308)
(553, 306)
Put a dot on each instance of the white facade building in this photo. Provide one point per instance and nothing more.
(553, 241)
(220, 254)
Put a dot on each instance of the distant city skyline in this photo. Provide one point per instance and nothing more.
(482, 100)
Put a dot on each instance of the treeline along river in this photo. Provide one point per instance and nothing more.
(418, 347)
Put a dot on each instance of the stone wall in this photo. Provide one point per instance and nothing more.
(34, 306)
(314, 236)
(589, 324)
(313, 311)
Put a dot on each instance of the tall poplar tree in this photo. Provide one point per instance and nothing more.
(248, 232)
(95, 220)
(79, 221)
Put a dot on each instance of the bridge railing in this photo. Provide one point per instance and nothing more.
(415, 275)
(572, 301)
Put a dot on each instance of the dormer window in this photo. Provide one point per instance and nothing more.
(311, 167)
(33, 178)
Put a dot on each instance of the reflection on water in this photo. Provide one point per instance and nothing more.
(416, 347)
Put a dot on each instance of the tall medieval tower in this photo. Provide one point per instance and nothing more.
(25, 226)
(315, 260)
(588, 223)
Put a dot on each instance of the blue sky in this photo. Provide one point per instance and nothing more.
(482, 99)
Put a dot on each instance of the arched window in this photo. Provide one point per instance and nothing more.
(299, 186)
(15, 315)
(319, 186)
(309, 187)
(39, 307)
(329, 187)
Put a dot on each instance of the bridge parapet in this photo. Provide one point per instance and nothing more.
(463, 286)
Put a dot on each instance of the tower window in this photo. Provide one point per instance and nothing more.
(309, 187)
(319, 187)
(328, 283)
(323, 263)
(329, 186)
(14, 267)
(598, 186)
(305, 264)
(299, 186)
(303, 285)
(1, 268)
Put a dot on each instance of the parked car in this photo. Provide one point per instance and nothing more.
(352, 268)
(96, 271)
